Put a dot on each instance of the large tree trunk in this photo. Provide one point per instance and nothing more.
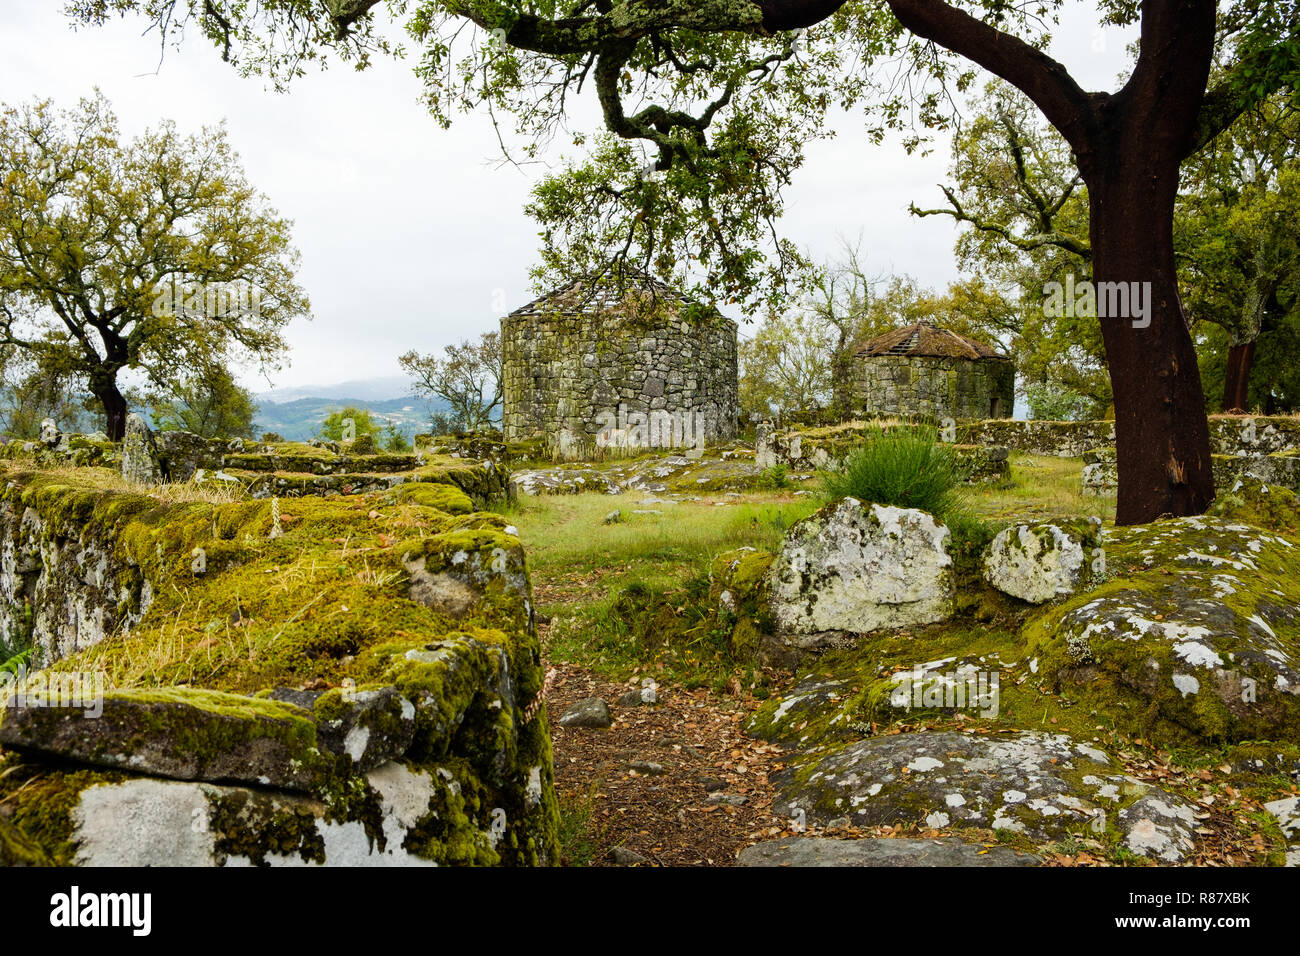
(1161, 431)
(1236, 382)
(104, 387)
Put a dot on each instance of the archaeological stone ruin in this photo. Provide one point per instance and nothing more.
(313, 656)
(589, 368)
(924, 370)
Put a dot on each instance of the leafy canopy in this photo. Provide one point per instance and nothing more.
(154, 255)
(706, 105)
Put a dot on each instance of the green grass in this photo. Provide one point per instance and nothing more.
(566, 534)
(631, 596)
(640, 626)
(1040, 488)
(579, 841)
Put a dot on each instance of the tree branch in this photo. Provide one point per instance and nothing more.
(1033, 72)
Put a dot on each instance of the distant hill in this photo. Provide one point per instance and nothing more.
(379, 389)
(301, 418)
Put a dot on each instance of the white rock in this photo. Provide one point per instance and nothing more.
(1034, 563)
(856, 568)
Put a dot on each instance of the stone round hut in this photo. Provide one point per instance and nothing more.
(595, 369)
(924, 370)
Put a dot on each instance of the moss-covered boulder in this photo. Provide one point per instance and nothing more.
(178, 732)
(1040, 563)
(370, 727)
(481, 561)
(737, 591)
(320, 598)
(384, 821)
(1254, 502)
(1196, 638)
(855, 567)
(1044, 787)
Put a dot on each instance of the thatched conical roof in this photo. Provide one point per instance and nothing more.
(927, 339)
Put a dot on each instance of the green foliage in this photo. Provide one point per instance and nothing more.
(786, 366)
(335, 427)
(578, 835)
(903, 467)
(1013, 180)
(155, 255)
(12, 665)
(33, 388)
(1056, 404)
(208, 403)
(667, 628)
(467, 376)
(394, 440)
(1239, 255)
(706, 107)
(16, 647)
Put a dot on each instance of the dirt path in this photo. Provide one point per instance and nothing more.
(678, 783)
(661, 781)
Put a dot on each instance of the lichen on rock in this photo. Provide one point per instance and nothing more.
(1038, 563)
(855, 567)
(1198, 640)
(311, 665)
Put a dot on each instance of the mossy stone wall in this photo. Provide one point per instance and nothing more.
(403, 595)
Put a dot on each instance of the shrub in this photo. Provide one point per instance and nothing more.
(394, 440)
(775, 478)
(903, 467)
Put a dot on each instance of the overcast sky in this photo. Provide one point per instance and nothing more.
(412, 235)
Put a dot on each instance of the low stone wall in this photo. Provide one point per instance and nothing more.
(1054, 439)
(1282, 469)
(476, 465)
(1229, 435)
(817, 448)
(63, 580)
(339, 682)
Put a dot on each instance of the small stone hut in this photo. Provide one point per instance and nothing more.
(924, 370)
(592, 369)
